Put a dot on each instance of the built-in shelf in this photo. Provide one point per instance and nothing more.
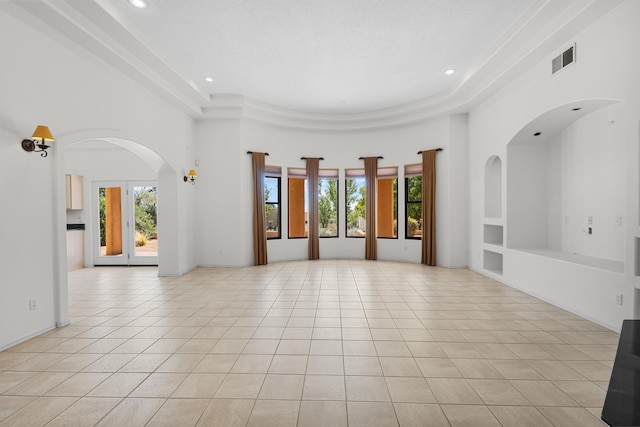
(499, 249)
(599, 263)
(493, 234)
(493, 221)
(493, 262)
(493, 225)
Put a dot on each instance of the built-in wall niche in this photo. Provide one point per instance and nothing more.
(493, 262)
(566, 184)
(493, 188)
(493, 234)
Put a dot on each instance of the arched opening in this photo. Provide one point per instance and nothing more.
(566, 184)
(89, 144)
(119, 211)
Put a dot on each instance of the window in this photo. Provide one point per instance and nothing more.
(272, 201)
(413, 201)
(355, 197)
(328, 203)
(298, 203)
(387, 215)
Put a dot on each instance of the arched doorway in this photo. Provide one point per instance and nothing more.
(167, 179)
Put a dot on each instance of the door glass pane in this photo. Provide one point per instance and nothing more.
(145, 203)
(110, 221)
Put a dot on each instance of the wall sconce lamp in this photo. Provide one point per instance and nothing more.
(191, 177)
(43, 134)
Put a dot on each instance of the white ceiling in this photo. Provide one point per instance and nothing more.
(325, 56)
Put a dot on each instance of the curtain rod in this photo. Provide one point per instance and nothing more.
(251, 152)
(362, 158)
(304, 158)
(437, 149)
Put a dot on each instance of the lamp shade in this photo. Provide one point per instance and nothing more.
(192, 173)
(42, 132)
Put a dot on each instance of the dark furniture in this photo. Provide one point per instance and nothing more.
(622, 404)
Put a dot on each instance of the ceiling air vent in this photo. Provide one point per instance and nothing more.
(563, 60)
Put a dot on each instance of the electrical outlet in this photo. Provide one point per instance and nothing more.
(589, 220)
(619, 299)
(619, 221)
(33, 304)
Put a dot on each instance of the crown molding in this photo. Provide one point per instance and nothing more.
(535, 38)
(98, 27)
(109, 38)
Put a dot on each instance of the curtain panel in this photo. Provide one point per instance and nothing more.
(429, 207)
(259, 218)
(313, 166)
(371, 177)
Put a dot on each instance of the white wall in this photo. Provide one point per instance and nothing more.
(222, 146)
(586, 290)
(78, 97)
(218, 189)
(527, 196)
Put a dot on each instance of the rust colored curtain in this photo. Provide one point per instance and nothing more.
(371, 176)
(313, 166)
(259, 219)
(429, 207)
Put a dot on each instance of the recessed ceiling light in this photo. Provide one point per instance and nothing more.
(208, 79)
(450, 71)
(140, 4)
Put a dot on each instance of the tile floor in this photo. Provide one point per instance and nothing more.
(324, 343)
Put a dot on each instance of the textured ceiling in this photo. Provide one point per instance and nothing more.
(325, 56)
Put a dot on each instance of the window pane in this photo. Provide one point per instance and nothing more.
(273, 220)
(355, 197)
(271, 190)
(414, 207)
(328, 207)
(387, 207)
(272, 206)
(145, 202)
(414, 189)
(298, 208)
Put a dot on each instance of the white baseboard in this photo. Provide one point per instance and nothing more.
(553, 303)
(27, 337)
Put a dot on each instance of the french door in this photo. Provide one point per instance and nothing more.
(125, 218)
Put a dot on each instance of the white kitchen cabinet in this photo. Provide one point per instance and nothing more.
(75, 198)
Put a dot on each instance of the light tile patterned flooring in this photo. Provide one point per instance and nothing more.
(324, 343)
